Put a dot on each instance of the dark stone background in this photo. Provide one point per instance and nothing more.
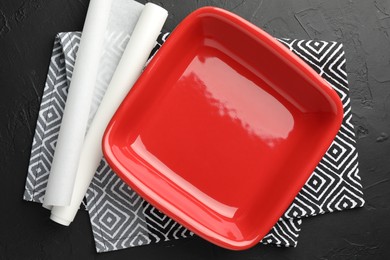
(27, 29)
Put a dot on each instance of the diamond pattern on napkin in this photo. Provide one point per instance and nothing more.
(50, 116)
(121, 219)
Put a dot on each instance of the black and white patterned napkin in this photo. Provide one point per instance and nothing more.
(121, 219)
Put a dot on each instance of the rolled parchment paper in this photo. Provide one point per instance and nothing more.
(75, 118)
(123, 18)
(128, 70)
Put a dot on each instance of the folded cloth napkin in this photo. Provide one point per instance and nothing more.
(121, 219)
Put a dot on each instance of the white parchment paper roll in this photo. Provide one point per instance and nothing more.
(128, 70)
(74, 122)
(124, 16)
(116, 27)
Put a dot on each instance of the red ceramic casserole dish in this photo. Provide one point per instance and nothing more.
(223, 128)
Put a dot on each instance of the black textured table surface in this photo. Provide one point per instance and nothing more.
(27, 29)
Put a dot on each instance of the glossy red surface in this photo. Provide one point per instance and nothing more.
(223, 128)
